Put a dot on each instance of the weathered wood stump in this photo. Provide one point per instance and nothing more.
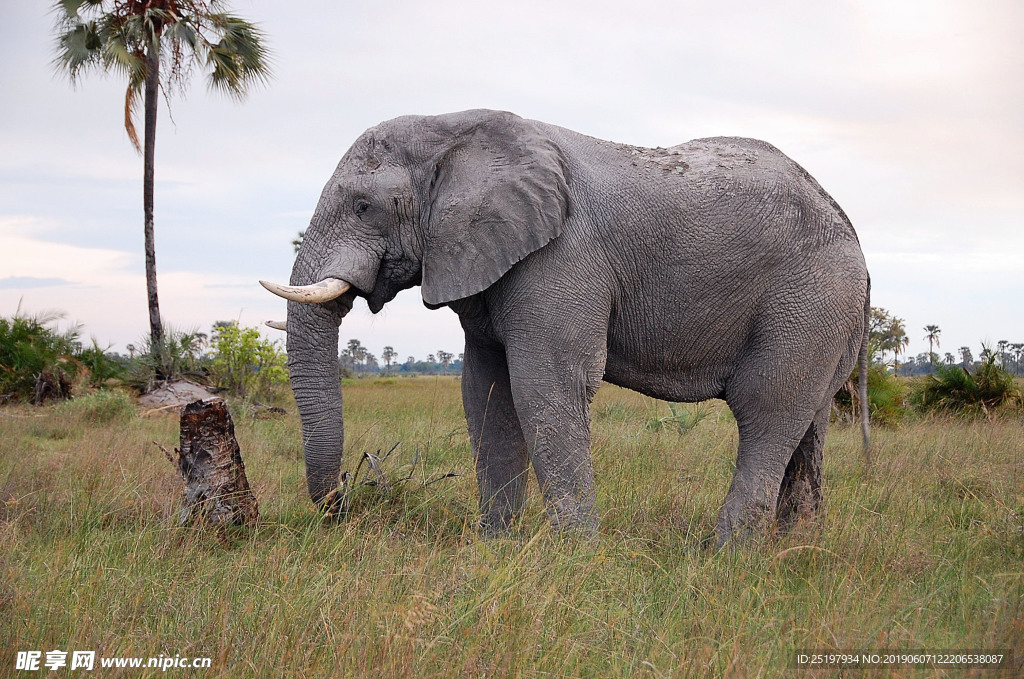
(210, 461)
(51, 384)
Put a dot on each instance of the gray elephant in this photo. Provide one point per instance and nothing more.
(714, 269)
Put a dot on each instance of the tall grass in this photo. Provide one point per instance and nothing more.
(923, 551)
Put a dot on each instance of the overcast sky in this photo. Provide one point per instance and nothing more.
(910, 113)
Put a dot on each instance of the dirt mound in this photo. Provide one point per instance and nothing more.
(175, 394)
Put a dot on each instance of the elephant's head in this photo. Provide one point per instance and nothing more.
(450, 202)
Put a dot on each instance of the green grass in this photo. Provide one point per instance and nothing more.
(924, 551)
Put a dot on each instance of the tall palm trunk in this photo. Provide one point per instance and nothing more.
(156, 331)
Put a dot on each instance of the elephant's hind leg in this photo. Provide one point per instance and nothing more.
(800, 494)
(750, 506)
(499, 449)
(774, 417)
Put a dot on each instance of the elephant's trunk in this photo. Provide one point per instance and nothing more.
(313, 369)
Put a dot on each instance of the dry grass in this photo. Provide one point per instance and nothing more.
(922, 552)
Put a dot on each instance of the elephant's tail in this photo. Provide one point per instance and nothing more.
(862, 366)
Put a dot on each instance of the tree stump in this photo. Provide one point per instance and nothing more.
(51, 384)
(210, 461)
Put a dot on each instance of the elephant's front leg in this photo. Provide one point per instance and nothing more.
(499, 449)
(553, 385)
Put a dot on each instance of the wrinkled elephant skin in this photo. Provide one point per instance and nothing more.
(717, 268)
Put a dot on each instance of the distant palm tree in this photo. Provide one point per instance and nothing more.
(134, 38)
(899, 341)
(1018, 350)
(445, 359)
(949, 358)
(1003, 346)
(357, 351)
(933, 339)
(886, 333)
(389, 354)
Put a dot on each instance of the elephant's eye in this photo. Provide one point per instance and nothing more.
(361, 206)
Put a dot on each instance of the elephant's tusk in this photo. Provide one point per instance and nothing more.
(324, 291)
(277, 325)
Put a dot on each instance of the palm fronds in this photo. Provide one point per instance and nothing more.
(29, 348)
(116, 35)
(954, 388)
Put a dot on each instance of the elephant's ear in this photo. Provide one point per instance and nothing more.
(498, 193)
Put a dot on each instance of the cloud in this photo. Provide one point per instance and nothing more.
(106, 289)
(29, 282)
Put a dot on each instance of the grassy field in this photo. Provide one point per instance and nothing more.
(923, 552)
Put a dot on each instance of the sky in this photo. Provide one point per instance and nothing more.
(909, 113)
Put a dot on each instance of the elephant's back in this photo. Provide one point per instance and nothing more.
(738, 179)
(704, 211)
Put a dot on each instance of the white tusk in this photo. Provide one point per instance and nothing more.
(324, 291)
(277, 325)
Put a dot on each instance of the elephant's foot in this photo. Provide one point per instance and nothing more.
(800, 494)
(743, 520)
(572, 517)
(501, 524)
(497, 522)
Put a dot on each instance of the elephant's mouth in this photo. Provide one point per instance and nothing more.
(391, 280)
(342, 305)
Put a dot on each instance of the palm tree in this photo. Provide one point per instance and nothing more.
(886, 333)
(1018, 350)
(445, 359)
(389, 354)
(933, 339)
(897, 341)
(357, 351)
(134, 38)
(1003, 345)
(346, 360)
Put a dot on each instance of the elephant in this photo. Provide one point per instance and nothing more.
(717, 268)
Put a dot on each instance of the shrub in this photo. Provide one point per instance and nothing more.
(101, 365)
(245, 362)
(682, 418)
(101, 407)
(955, 389)
(887, 400)
(180, 354)
(32, 354)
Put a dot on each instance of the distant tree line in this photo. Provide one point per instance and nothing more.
(355, 359)
(1007, 355)
(887, 342)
